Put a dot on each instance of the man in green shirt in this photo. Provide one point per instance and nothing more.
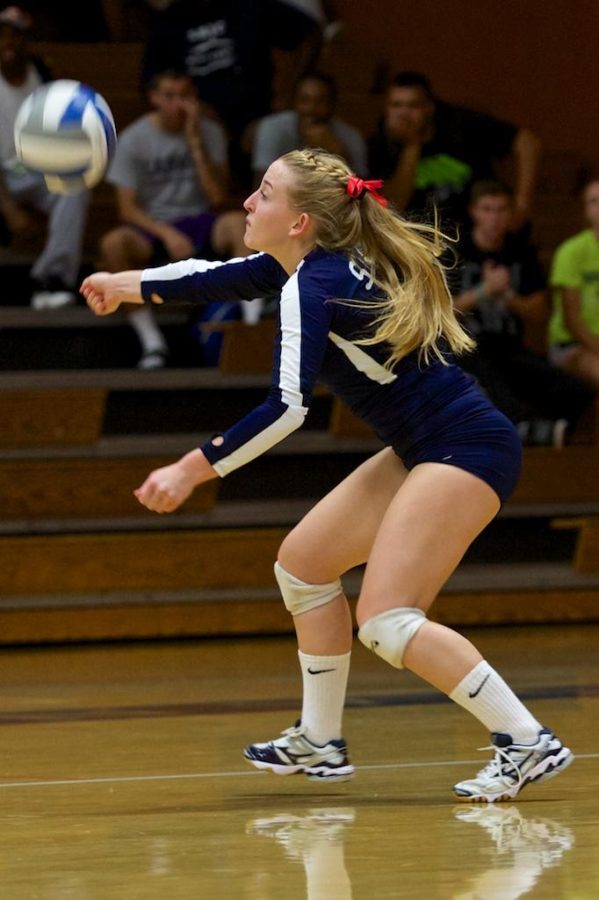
(574, 325)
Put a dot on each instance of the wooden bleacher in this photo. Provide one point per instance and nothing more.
(81, 560)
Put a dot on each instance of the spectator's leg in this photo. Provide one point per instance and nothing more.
(124, 248)
(227, 240)
(61, 257)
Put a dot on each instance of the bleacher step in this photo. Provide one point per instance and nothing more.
(503, 578)
(474, 596)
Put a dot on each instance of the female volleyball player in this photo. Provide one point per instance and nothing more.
(365, 308)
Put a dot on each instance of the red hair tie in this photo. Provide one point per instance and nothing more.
(356, 187)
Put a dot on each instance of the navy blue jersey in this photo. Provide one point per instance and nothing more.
(413, 407)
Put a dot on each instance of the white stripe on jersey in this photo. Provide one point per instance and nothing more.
(289, 385)
(292, 418)
(176, 270)
(362, 361)
(291, 343)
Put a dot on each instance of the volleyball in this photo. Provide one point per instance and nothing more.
(65, 131)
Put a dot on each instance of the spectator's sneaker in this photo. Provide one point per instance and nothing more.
(293, 753)
(51, 293)
(52, 299)
(514, 766)
(153, 359)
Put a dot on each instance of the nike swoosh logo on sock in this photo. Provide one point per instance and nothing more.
(319, 671)
(480, 687)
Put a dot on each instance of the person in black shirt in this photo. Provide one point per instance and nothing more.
(500, 288)
(430, 152)
(226, 49)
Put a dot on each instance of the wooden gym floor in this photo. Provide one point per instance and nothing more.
(121, 777)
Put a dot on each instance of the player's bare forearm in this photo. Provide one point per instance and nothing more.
(165, 489)
(104, 291)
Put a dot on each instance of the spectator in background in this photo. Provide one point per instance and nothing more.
(430, 152)
(311, 123)
(23, 194)
(170, 171)
(226, 47)
(500, 289)
(574, 325)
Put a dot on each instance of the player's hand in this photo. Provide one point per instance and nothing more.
(105, 291)
(165, 489)
(193, 117)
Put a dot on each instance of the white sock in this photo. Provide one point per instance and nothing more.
(325, 682)
(251, 310)
(484, 693)
(144, 324)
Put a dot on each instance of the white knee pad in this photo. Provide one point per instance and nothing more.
(389, 633)
(299, 597)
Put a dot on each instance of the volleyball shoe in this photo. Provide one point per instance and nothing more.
(293, 753)
(514, 766)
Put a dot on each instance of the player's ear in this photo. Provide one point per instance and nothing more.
(301, 226)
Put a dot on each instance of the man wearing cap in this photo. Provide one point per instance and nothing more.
(55, 272)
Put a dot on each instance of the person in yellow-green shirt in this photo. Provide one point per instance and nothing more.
(574, 325)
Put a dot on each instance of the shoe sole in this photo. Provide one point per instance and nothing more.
(312, 772)
(546, 769)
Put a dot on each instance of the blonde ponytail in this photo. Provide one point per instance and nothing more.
(402, 258)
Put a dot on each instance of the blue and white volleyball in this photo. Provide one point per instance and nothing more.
(65, 131)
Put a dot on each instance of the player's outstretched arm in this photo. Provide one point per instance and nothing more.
(105, 291)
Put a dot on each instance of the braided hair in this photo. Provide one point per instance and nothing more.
(415, 310)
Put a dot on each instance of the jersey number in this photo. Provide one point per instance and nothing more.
(361, 274)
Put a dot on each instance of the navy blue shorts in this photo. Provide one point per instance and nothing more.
(197, 228)
(486, 444)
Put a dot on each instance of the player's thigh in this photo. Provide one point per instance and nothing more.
(426, 530)
(337, 534)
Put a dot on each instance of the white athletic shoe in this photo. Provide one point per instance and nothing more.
(514, 766)
(293, 753)
(153, 359)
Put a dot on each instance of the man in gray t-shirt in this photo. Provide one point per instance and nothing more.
(310, 123)
(158, 167)
(170, 171)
